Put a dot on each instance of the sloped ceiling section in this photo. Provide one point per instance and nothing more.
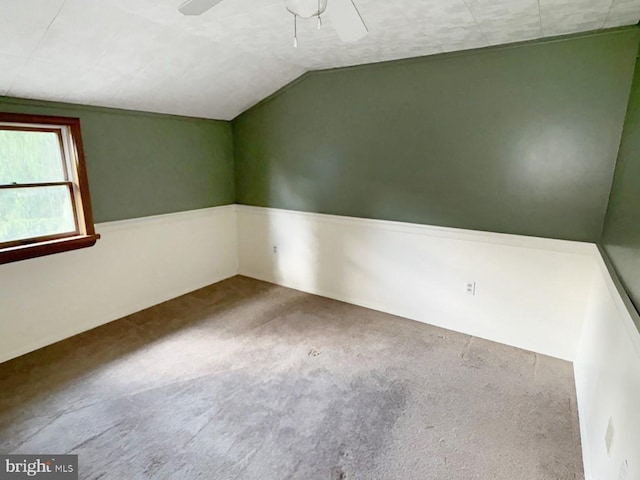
(145, 55)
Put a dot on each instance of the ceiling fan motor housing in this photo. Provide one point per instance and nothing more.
(306, 8)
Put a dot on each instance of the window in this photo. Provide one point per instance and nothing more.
(44, 194)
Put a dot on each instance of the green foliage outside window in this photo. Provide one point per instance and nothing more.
(32, 157)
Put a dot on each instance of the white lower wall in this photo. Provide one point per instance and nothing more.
(549, 296)
(530, 292)
(136, 264)
(607, 373)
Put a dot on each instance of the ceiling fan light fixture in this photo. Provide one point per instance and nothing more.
(306, 8)
(345, 17)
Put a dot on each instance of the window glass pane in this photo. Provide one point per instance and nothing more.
(35, 212)
(30, 157)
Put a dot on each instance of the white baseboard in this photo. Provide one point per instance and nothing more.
(607, 375)
(530, 292)
(136, 264)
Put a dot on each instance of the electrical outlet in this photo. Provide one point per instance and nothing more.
(471, 288)
(609, 435)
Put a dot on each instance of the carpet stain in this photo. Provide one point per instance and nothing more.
(338, 474)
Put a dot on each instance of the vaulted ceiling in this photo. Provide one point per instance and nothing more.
(145, 55)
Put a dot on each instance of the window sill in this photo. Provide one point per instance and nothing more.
(23, 252)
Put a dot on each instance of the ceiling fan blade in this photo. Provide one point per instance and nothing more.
(197, 7)
(346, 19)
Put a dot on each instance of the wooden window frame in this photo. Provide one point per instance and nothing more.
(75, 179)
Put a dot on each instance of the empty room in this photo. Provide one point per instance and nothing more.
(320, 239)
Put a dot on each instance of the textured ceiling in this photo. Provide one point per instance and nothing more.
(145, 55)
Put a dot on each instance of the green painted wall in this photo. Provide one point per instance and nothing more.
(520, 140)
(621, 236)
(142, 164)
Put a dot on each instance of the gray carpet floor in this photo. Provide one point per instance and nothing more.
(247, 380)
